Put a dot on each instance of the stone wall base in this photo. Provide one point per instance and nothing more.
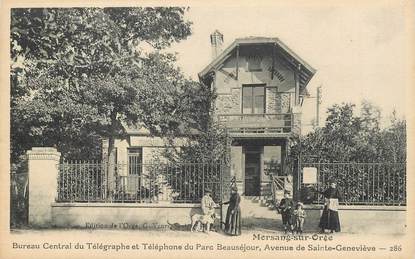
(354, 219)
(124, 215)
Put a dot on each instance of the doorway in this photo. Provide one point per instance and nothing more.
(252, 172)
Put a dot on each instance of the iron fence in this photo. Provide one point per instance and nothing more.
(80, 181)
(86, 181)
(363, 183)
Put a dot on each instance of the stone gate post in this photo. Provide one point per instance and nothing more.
(42, 172)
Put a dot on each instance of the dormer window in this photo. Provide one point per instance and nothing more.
(254, 63)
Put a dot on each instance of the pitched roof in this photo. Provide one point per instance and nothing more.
(306, 70)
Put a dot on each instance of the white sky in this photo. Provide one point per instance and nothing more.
(358, 53)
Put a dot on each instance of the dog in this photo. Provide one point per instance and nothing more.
(204, 220)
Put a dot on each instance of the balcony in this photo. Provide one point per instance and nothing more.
(269, 124)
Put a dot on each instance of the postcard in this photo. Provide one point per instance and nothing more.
(173, 129)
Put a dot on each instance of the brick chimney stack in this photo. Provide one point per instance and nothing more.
(216, 40)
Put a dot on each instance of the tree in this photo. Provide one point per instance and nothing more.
(200, 160)
(336, 140)
(358, 140)
(80, 74)
(205, 140)
(349, 137)
(90, 40)
(392, 141)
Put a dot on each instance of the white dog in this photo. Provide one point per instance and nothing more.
(204, 220)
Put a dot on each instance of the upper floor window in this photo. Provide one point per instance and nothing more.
(254, 63)
(253, 99)
(135, 161)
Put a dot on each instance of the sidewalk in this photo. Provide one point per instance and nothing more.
(246, 233)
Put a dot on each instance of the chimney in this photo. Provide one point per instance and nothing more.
(216, 40)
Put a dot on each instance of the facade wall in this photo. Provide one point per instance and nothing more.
(278, 89)
(236, 162)
(229, 103)
(296, 123)
(121, 157)
(278, 102)
(152, 147)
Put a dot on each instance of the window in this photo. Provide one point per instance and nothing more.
(135, 161)
(254, 63)
(253, 99)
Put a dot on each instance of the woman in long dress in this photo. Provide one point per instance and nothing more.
(233, 214)
(330, 216)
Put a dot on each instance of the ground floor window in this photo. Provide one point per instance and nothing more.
(135, 161)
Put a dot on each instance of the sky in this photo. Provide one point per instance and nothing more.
(359, 53)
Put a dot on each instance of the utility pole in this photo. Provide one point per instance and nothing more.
(318, 102)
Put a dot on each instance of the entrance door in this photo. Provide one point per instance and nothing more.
(252, 174)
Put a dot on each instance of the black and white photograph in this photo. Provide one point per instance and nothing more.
(183, 129)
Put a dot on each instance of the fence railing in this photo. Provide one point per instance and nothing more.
(363, 183)
(82, 181)
(153, 183)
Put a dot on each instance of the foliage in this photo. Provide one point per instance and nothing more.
(359, 141)
(355, 138)
(19, 196)
(90, 40)
(202, 157)
(199, 163)
(81, 74)
(81, 182)
(392, 141)
(204, 141)
(58, 122)
(187, 182)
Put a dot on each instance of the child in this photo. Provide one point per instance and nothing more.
(286, 207)
(299, 214)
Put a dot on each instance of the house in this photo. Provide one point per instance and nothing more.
(260, 84)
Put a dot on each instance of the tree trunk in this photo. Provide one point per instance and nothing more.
(111, 157)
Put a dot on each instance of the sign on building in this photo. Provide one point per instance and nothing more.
(309, 175)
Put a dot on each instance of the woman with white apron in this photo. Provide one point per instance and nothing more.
(330, 217)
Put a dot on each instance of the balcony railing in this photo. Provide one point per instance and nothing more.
(257, 123)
